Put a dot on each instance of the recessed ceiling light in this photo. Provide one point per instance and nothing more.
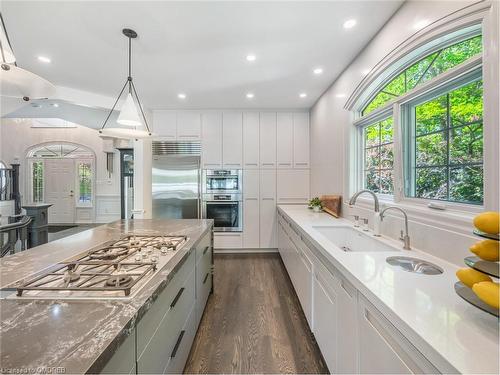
(250, 95)
(251, 57)
(36, 105)
(318, 71)
(350, 23)
(340, 95)
(54, 105)
(44, 59)
(421, 24)
(303, 95)
(181, 96)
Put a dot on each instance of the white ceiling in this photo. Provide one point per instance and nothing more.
(198, 48)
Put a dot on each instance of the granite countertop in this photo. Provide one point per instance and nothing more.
(454, 335)
(78, 336)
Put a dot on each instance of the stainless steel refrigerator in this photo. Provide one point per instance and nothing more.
(176, 180)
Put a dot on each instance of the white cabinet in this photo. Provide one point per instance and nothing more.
(251, 159)
(325, 317)
(212, 140)
(232, 140)
(228, 240)
(347, 327)
(385, 350)
(165, 124)
(292, 185)
(267, 140)
(284, 140)
(251, 211)
(268, 208)
(301, 140)
(188, 125)
(303, 280)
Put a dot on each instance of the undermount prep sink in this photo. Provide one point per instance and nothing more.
(415, 265)
(351, 240)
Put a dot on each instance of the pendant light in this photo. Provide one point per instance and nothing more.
(16, 82)
(131, 108)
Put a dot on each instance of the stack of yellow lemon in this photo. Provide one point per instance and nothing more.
(482, 285)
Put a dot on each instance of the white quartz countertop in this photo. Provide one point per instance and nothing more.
(451, 333)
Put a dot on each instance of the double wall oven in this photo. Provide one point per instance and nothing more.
(222, 199)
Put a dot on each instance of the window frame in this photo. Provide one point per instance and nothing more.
(396, 108)
(408, 132)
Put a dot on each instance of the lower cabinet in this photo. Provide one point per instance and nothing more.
(162, 339)
(385, 350)
(325, 319)
(353, 336)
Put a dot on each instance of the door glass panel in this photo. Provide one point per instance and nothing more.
(224, 214)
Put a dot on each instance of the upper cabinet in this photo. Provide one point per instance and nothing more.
(165, 124)
(301, 140)
(212, 140)
(268, 140)
(232, 140)
(177, 125)
(251, 159)
(284, 140)
(188, 125)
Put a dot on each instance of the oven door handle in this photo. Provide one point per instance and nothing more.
(223, 202)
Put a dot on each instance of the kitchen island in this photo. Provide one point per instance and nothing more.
(92, 335)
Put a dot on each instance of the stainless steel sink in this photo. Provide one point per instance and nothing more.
(415, 265)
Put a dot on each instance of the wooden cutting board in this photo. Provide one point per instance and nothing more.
(332, 204)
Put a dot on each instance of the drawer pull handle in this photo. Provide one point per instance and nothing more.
(205, 279)
(174, 302)
(177, 344)
(255, 164)
(206, 249)
(268, 164)
(301, 163)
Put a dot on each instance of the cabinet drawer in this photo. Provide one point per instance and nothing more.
(204, 246)
(384, 349)
(228, 241)
(156, 355)
(184, 340)
(161, 306)
(203, 286)
(123, 360)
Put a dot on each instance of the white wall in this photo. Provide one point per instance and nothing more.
(17, 136)
(331, 125)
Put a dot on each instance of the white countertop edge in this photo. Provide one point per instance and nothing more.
(446, 361)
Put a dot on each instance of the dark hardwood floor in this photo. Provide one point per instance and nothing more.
(253, 323)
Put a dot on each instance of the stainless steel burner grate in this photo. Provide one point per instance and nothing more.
(117, 266)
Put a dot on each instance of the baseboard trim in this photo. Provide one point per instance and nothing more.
(244, 251)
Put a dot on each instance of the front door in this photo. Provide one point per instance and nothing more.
(60, 190)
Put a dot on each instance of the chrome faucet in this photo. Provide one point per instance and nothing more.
(375, 198)
(376, 221)
(406, 237)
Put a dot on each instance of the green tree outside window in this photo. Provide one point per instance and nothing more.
(424, 70)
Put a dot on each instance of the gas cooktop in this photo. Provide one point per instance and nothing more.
(116, 269)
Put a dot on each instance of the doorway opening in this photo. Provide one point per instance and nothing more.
(61, 174)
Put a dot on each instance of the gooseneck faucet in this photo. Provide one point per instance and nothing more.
(376, 221)
(375, 198)
(406, 237)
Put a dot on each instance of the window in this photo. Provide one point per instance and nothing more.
(446, 139)
(85, 183)
(424, 70)
(37, 181)
(379, 156)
